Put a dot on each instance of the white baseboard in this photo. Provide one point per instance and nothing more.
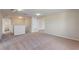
(64, 36)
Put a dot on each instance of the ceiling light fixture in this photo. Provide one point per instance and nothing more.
(38, 14)
(20, 17)
(19, 9)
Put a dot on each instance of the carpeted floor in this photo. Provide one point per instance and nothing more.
(38, 41)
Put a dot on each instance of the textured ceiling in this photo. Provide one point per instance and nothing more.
(32, 12)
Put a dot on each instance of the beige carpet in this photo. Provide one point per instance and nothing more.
(38, 41)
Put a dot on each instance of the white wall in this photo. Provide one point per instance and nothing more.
(0, 27)
(55, 24)
(72, 22)
(64, 24)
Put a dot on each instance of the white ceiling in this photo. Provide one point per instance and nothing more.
(32, 12)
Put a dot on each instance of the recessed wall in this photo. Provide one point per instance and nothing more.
(24, 21)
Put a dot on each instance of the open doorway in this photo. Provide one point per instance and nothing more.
(7, 28)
